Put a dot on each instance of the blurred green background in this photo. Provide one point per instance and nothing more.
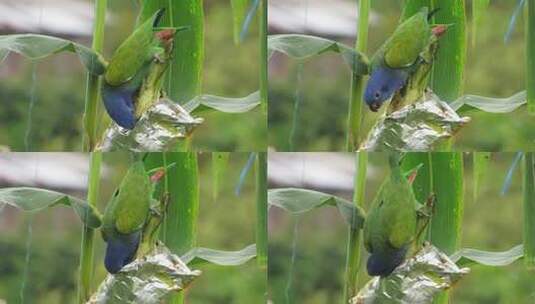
(493, 69)
(60, 87)
(492, 222)
(225, 224)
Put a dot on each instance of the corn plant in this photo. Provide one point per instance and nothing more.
(436, 179)
(172, 218)
(446, 79)
(176, 74)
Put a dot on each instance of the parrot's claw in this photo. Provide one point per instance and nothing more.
(425, 211)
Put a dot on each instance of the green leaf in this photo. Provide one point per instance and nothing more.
(204, 103)
(39, 46)
(219, 167)
(35, 199)
(298, 201)
(302, 47)
(481, 163)
(199, 256)
(479, 8)
(467, 103)
(467, 257)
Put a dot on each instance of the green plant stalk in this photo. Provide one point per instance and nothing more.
(354, 123)
(530, 56)
(353, 246)
(529, 210)
(264, 82)
(423, 183)
(93, 82)
(448, 187)
(180, 225)
(88, 234)
(412, 7)
(183, 81)
(261, 210)
(447, 78)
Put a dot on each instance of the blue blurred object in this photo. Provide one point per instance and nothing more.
(119, 103)
(383, 83)
(512, 21)
(383, 263)
(121, 251)
(509, 177)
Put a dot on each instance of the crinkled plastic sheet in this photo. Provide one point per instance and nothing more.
(147, 280)
(416, 281)
(421, 126)
(157, 130)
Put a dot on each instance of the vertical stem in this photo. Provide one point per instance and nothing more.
(93, 82)
(261, 210)
(529, 211)
(353, 247)
(86, 254)
(447, 79)
(181, 221)
(530, 55)
(412, 7)
(448, 187)
(357, 82)
(184, 75)
(263, 55)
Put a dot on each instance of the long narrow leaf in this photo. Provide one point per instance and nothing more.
(301, 47)
(489, 104)
(298, 201)
(199, 255)
(37, 47)
(35, 199)
(467, 257)
(205, 103)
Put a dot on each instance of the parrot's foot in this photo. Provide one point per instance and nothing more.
(425, 211)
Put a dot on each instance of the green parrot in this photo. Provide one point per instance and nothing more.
(391, 224)
(399, 57)
(130, 66)
(125, 217)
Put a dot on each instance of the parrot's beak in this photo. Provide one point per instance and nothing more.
(374, 107)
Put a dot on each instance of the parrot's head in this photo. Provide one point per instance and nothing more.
(383, 263)
(383, 83)
(120, 251)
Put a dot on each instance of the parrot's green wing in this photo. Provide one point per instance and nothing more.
(128, 209)
(391, 220)
(408, 41)
(133, 53)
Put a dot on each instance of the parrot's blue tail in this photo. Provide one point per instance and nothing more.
(119, 104)
(121, 251)
(382, 264)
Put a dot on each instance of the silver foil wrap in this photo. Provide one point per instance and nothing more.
(421, 126)
(416, 281)
(157, 130)
(147, 280)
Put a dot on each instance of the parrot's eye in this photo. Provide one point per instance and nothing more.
(377, 95)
